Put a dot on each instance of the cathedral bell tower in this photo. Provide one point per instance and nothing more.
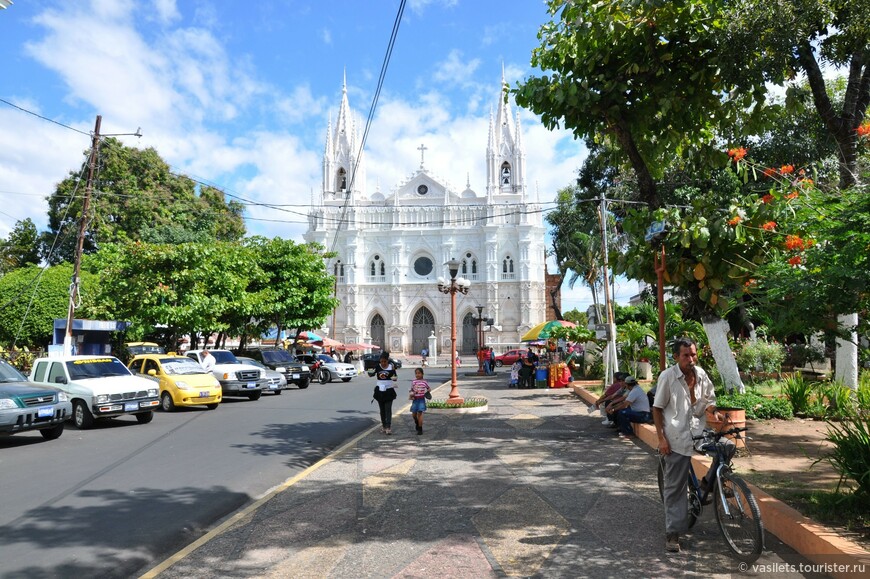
(343, 173)
(505, 155)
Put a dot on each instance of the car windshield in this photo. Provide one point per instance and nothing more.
(180, 366)
(96, 368)
(277, 357)
(9, 374)
(224, 357)
(327, 359)
(146, 349)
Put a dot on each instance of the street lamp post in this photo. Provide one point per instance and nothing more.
(453, 286)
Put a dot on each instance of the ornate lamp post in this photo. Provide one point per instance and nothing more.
(451, 287)
(479, 323)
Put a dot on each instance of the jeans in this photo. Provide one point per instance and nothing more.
(626, 416)
(386, 407)
(486, 368)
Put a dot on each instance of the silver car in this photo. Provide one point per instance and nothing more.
(277, 380)
(332, 368)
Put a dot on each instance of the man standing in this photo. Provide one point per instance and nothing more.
(207, 361)
(683, 393)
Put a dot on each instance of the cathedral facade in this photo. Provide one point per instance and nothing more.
(391, 249)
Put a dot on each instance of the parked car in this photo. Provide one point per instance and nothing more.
(509, 357)
(295, 371)
(25, 406)
(182, 381)
(331, 368)
(136, 348)
(371, 361)
(98, 387)
(236, 379)
(276, 380)
(313, 363)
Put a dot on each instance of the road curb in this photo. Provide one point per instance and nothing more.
(809, 538)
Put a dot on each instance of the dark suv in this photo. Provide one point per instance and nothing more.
(296, 371)
(370, 362)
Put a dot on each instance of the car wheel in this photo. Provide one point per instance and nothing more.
(345, 379)
(304, 384)
(53, 432)
(166, 402)
(211, 406)
(82, 417)
(144, 417)
(254, 396)
(277, 392)
(499, 363)
(325, 376)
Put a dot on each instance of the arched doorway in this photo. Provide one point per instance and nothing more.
(469, 335)
(423, 326)
(379, 337)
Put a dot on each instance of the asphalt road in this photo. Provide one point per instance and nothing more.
(112, 501)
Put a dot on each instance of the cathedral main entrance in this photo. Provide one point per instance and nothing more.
(469, 335)
(423, 326)
(379, 337)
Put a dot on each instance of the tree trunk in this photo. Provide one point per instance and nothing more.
(847, 353)
(717, 335)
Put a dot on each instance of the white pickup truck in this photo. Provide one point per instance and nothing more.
(98, 387)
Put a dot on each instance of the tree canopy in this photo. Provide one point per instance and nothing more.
(137, 198)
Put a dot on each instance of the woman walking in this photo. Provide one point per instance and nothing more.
(385, 391)
(419, 390)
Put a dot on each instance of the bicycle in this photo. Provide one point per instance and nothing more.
(737, 511)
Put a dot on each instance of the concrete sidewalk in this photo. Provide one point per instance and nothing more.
(533, 487)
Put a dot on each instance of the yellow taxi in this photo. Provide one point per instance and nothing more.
(183, 382)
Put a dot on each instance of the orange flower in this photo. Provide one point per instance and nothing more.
(769, 226)
(806, 181)
(769, 172)
(767, 198)
(737, 154)
(786, 169)
(734, 220)
(749, 282)
(863, 130)
(794, 261)
(793, 195)
(794, 242)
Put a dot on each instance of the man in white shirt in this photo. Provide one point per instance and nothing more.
(635, 407)
(207, 361)
(683, 394)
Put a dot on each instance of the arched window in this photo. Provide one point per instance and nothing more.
(474, 266)
(383, 269)
(341, 181)
(377, 269)
(464, 267)
(372, 273)
(377, 331)
(505, 174)
(507, 268)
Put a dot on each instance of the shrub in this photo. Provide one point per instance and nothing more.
(798, 392)
(839, 400)
(760, 355)
(864, 392)
(757, 407)
(474, 402)
(851, 453)
(802, 355)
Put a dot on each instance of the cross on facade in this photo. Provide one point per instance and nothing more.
(422, 148)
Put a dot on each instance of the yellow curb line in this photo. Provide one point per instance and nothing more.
(812, 540)
(217, 531)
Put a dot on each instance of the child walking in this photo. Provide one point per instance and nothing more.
(419, 389)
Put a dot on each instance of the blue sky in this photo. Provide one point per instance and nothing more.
(240, 93)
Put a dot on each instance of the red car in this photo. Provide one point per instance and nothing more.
(509, 357)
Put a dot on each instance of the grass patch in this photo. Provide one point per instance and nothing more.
(848, 510)
(473, 402)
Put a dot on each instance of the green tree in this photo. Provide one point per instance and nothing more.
(137, 198)
(20, 248)
(648, 77)
(31, 298)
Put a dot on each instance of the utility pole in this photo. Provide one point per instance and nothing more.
(611, 363)
(74, 284)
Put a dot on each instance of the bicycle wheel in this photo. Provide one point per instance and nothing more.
(694, 507)
(741, 526)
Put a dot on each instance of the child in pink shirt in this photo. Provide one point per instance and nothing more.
(419, 389)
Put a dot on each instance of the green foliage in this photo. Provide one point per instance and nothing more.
(473, 402)
(576, 316)
(20, 358)
(863, 393)
(20, 248)
(798, 392)
(32, 298)
(802, 355)
(840, 400)
(139, 200)
(851, 452)
(757, 407)
(760, 355)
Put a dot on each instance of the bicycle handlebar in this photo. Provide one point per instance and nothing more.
(717, 435)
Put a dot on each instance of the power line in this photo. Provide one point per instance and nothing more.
(37, 115)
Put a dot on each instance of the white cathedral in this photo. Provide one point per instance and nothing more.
(391, 249)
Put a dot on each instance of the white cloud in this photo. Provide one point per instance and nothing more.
(455, 71)
(167, 11)
(326, 35)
